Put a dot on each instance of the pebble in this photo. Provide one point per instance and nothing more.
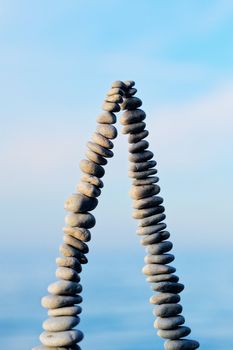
(162, 278)
(138, 146)
(62, 323)
(106, 117)
(78, 232)
(95, 157)
(168, 287)
(159, 248)
(66, 338)
(115, 91)
(79, 203)
(69, 262)
(66, 273)
(167, 310)
(167, 323)
(147, 202)
(139, 192)
(173, 334)
(114, 98)
(130, 92)
(148, 181)
(42, 347)
(131, 117)
(131, 103)
(88, 189)
(65, 311)
(132, 138)
(181, 344)
(107, 130)
(140, 157)
(102, 140)
(68, 250)
(155, 238)
(159, 259)
(165, 298)
(143, 213)
(147, 230)
(119, 84)
(86, 220)
(157, 269)
(102, 151)
(133, 128)
(129, 83)
(76, 243)
(152, 220)
(65, 288)
(93, 180)
(111, 107)
(57, 301)
(142, 166)
(89, 167)
(142, 174)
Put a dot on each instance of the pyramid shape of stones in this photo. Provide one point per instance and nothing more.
(63, 301)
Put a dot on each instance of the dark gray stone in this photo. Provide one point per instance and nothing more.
(89, 167)
(147, 230)
(147, 202)
(129, 83)
(106, 117)
(173, 334)
(131, 103)
(140, 157)
(138, 146)
(86, 220)
(181, 344)
(168, 323)
(147, 181)
(133, 128)
(130, 92)
(79, 203)
(167, 310)
(162, 278)
(143, 213)
(168, 287)
(155, 238)
(107, 130)
(165, 298)
(152, 220)
(132, 138)
(102, 140)
(159, 248)
(111, 107)
(131, 117)
(141, 174)
(142, 166)
(119, 84)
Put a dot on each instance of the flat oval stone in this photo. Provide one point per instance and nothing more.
(107, 130)
(139, 192)
(181, 344)
(169, 322)
(167, 310)
(159, 259)
(69, 262)
(114, 98)
(57, 301)
(159, 248)
(102, 140)
(141, 174)
(59, 324)
(168, 287)
(111, 107)
(131, 103)
(115, 91)
(102, 151)
(86, 220)
(119, 84)
(142, 166)
(147, 202)
(66, 338)
(133, 128)
(132, 138)
(88, 190)
(42, 347)
(89, 167)
(147, 181)
(165, 298)
(94, 157)
(155, 238)
(76, 243)
(66, 273)
(129, 83)
(162, 278)
(179, 332)
(65, 311)
(140, 156)
(93, 180)
(79, 203)
(64, 288)
(69, 251)
(147, 230)
(152, 220)
(156, 269)
(78, 232)
(130, 92)
(106, 117)
(131, 117)
(138, 146)
(143, 213)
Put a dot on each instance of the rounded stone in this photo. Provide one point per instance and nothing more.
(156, 269)
(130, 92)
(131, 103)
(78, 232)
(167, 310)
(159, 248)
(152, 220)
(111, 107)
(119, 84)
(106, 117)
(89, 167)
(155, 238)
(139, 192)
(162, 278)
(159, 259)
(133, 128)
(59, 324)
(143, 213)
(181, 344)
(64, 288)
(131, 117)
(42, 347)
(140, 156)
(147, 202)
(129, 83)
(143, 166)
(86, 220)
(102, 151)
(88, 190)
(79, 203)
(102, 140)
(147, 181)
(69, 262)
(179, 332)
(95, 157)
(132, 138)
(76, 243)
(165, 298)
(65, 311)
(141, 174)
(57, 301)
(65, 338)
(115, 91)
(168, 287)
(138, 146)
(114, 98)
(147, 230)
(93, 180)
(107, 130)
(66, 273)
(167, 323)
(69, 251)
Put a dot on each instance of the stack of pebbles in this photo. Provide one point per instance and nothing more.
(150, 213)
(64, 294)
